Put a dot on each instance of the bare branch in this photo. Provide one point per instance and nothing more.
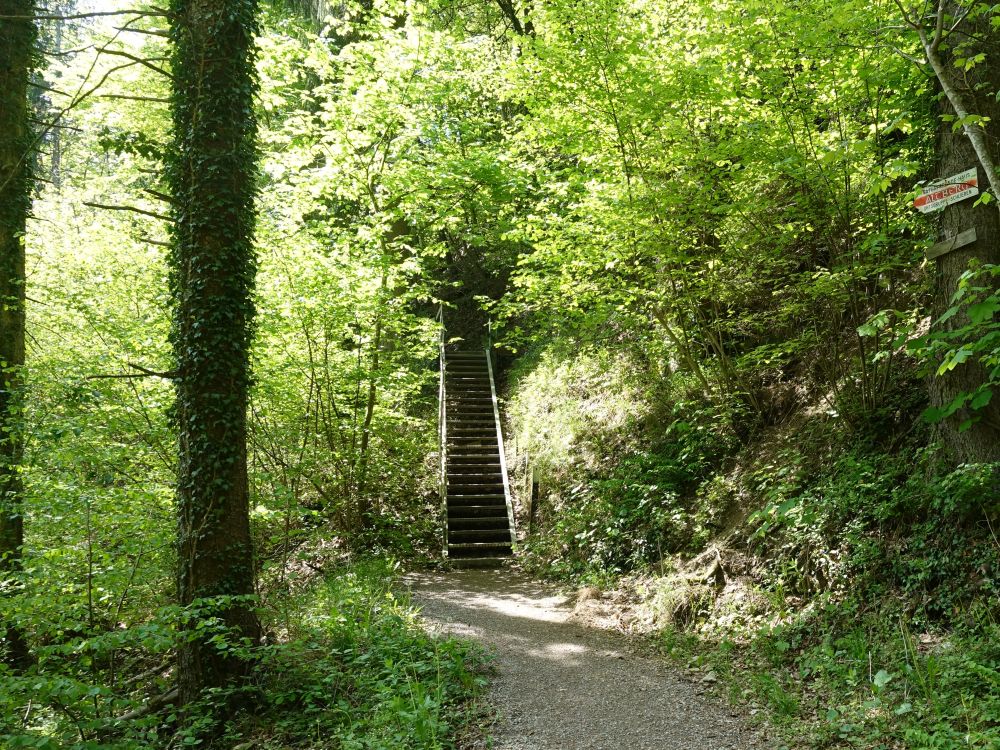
(134, 209)
(160, 196)
(151, 705)
(906, 14)
(147, 62)
(155, 12)
(143, 372)
(50, 125)
(149, 32)
(959, 17)
(153, 373)
(43, 87)
(919, 63)
(155, 99)
(938, 28)
(157, 670)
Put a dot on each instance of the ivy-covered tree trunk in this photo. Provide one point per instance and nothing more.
(17, 38)
(977, 90)
(212, 175)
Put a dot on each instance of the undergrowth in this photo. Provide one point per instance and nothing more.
(836, 576)
(358, 672)
(348, 667)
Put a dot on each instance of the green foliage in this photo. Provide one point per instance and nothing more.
(703, 213)
(975, 341)
(359, 672)
(618, 475)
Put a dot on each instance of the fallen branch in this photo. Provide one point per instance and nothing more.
(151, 705)
(142, 676)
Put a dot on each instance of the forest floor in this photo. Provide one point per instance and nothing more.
(563, 682)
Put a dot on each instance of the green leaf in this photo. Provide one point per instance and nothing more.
(881, 679)
(981, 399)
(983, 311)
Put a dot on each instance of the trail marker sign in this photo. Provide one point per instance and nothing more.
(941, 193)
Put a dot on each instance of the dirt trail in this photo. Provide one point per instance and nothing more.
(563, 686)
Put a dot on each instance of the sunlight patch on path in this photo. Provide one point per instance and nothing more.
(562, 686)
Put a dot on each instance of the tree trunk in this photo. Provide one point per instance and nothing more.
(17, 38)
(957, 152)
(212, 173)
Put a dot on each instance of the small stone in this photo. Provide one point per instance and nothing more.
(710, 679)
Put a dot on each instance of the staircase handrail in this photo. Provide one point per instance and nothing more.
(442, 429)
(500, 447)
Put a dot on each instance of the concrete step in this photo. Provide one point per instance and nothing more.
(475, 511)
(480, 550)
(477, 563)
(479, 522)
(476, 498)
(464, 477)
(501, 535)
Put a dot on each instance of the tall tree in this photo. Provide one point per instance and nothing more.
(17, 38)
(959, 44)
(212, 175)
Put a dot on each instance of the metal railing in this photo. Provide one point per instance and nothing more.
(500, 446)
(442, 431)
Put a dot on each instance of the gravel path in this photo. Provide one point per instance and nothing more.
(563, 686)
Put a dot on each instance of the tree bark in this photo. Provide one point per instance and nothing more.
(971, 146)
(17, 38)
(212, 175)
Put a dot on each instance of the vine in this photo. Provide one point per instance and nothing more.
(211, 171)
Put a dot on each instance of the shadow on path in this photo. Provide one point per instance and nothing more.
(563, 686)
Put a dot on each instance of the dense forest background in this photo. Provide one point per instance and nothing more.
(734, 384)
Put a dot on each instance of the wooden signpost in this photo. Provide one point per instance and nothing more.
(952, 243)
(941, 193)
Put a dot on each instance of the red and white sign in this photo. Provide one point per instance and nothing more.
(941, 193)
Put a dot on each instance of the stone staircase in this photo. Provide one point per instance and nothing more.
(480, 524)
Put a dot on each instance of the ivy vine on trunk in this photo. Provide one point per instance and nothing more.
(17, 40)
(212, 175)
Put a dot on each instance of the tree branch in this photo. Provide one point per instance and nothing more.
(150, 706)
(143, 372)
(160, 196)
(147, 62)
(157, 99)
(149, 32)
(154, 12)
(975, 134)
(134, 209)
